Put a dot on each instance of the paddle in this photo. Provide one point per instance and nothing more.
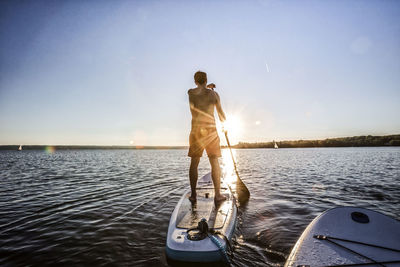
(241, 189)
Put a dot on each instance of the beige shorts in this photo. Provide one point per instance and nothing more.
(204, 138)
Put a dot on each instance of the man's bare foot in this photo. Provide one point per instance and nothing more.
(219, 198)
(193, 198)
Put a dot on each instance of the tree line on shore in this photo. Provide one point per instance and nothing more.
(355, 141)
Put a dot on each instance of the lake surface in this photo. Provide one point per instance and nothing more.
(112, 207)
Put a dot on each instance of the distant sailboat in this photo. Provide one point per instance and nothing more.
(20, 148)
(275, 145)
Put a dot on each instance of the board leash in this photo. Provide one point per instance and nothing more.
(204, 231)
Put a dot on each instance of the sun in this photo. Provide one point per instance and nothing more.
(233, 125)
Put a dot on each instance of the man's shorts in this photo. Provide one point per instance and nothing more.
(204, 138)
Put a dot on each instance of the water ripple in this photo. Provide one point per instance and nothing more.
(112, 207)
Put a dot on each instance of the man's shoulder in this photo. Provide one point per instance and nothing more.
(195, 91)
(215, 94)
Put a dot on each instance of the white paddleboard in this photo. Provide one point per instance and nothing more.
(328, 238)
(187, 215)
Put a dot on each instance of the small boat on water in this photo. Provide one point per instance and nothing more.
(348, 236)
(275, 145)
(201, 232)
(20, 148)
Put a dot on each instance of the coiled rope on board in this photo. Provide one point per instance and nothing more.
(202, 231)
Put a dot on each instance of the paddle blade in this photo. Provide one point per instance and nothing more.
(242, 191)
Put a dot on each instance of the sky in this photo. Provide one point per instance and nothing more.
(117, 72)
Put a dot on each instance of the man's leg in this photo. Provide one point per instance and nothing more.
(216, 177)
(194, 163)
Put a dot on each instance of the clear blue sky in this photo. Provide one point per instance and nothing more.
(112, 72)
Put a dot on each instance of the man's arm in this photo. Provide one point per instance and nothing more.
(220, 112)
(191, 105)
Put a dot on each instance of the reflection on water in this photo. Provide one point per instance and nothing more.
(102, 207)
(227, 167)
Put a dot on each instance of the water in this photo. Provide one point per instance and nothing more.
(112, 207)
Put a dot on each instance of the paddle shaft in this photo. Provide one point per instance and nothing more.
(230, 150)
(243, 188)
(244, 191)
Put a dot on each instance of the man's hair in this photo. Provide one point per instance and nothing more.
(200, 77)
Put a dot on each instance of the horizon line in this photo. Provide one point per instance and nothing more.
(176, 146)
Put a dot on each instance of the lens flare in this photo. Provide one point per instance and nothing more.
(50, 149)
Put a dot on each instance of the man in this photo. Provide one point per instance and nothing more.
(204, 132)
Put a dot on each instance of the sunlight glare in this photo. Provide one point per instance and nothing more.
(233, 125)
(227, 166)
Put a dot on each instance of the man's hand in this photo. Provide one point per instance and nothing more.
(211, 86)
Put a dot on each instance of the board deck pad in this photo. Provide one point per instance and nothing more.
(190, 214)
(222, 217)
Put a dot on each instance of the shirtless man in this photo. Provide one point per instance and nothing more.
(204, 132)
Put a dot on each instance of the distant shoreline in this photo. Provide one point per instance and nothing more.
(355, 141)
